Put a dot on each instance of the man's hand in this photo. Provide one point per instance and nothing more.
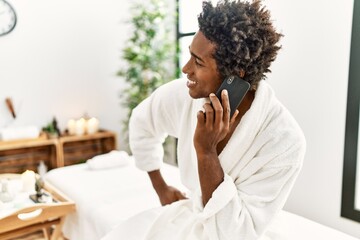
(213, 124)
(169, 194)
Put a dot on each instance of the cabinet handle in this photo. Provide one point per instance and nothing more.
(30, 215)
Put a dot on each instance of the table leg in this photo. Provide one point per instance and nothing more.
(58, 229)
(46, 232)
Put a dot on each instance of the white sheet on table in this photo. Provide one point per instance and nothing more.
(289, 226)
(110, 196)
(105, 197)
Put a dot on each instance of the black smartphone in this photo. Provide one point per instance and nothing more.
(237, 88)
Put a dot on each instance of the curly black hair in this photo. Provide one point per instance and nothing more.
(245, 39)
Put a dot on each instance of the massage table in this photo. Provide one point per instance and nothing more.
(106, 197)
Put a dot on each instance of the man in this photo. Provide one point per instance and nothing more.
(240, 169)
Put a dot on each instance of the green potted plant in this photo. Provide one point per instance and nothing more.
(149, 53)
(51, 129)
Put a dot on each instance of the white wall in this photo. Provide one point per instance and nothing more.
(310, 76)
(61, 60)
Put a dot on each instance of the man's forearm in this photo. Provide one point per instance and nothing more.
(157, 180)
(211, 174)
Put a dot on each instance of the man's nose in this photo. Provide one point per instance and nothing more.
(186, 68)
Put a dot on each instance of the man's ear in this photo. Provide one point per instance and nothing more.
(242, 73)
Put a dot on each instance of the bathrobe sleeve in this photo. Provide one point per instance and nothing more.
(244, 204)
(153, 120)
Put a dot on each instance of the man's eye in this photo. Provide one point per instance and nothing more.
(198, 64)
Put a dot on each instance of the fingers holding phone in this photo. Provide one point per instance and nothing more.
(236, 88)
(214, 123)
(227, 109)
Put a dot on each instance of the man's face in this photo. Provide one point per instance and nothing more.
(201, 69)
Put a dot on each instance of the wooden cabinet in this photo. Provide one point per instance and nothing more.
(18, 156)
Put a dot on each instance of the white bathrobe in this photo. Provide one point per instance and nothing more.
(261, 162)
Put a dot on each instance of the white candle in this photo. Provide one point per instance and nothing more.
(28, 180)
(80, 126)
(71, 126)
(92, 125)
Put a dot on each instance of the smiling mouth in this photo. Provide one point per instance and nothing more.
(190, 83)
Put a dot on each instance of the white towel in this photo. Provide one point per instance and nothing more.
(112, 159)
(13, 133)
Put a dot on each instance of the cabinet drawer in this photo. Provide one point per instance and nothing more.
(79, 151)
(19, 160)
